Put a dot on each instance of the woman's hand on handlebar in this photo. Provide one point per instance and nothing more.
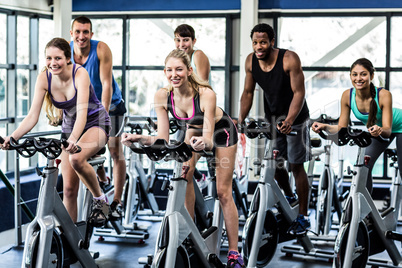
(127, 138)
(375, 131)
(72, 147)
(6, 144)
(318, 127)
(198, 143)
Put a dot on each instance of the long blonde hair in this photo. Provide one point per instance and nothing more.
(54, 114)
(194, 80)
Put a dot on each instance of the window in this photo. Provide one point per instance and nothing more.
(3, 86)
(151, 40)
(396, 41)
(110, 31)
(46, 33)
(3, 40)
(22, 40)
(334, 41)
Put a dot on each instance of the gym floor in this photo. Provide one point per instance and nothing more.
(124, 253)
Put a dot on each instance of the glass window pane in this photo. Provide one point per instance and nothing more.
(331, 41)
(46, 33)
(142, 86)
(218, 85)
(395, 82)
(3, 40)
(396, 41)
(110, 31)
(151, 40)
(22, 92)
(3, 85)
(117, 74)
(22, 40)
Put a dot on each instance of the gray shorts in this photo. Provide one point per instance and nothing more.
(295, 149)
(117, 118)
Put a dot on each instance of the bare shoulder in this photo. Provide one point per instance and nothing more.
(384, 93)
(103, 51)
(249, 61)
(207, 94)
(161, 95)
(291, 59)
(42, 80)
(199, 54)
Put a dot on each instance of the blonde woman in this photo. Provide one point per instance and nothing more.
(192, 101)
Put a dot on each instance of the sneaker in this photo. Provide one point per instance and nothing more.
(99, 213)
(292, 200)
(235, 260)
(116, 210)
(299, 226)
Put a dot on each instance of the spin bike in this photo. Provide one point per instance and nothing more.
(329, 194)
(270, 214)
(136, 192)
(364, 231)
(179, 242)
(52, 238)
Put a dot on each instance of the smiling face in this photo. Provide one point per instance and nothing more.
(261, 45)
(81, 34)
(184, 43)
(177, 72)
(56, 61)
(361, 77)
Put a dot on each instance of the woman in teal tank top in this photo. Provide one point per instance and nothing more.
(373, 107)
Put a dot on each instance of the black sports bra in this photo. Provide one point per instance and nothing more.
(198, 116)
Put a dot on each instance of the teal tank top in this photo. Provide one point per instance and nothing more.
(363, 117)
(92, 67)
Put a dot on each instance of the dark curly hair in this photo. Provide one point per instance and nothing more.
(263, 28)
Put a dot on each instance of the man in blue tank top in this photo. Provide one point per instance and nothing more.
(96, 58)
(279, 73)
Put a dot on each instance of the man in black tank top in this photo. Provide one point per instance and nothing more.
(280, 75)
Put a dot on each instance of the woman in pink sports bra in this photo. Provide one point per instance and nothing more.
(193, 102)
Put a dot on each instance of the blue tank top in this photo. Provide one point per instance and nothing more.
(97, 115)
(197, 118)
(363, 117)
(92, 66)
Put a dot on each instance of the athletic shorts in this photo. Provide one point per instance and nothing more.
(225, 133)
(116, 118)
(106, 129)
(295, 149)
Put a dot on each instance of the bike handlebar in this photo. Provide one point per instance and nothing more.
(50, 148)
(138, 127)
(260, 128)
(352, 136)
(323, 118)
(160, 149)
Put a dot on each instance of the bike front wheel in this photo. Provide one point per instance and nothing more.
(56, 254)
(360, 251)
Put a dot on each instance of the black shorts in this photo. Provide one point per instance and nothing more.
(225, 133)
(116, 118)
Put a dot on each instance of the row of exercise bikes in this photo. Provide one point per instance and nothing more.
(54, 240)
